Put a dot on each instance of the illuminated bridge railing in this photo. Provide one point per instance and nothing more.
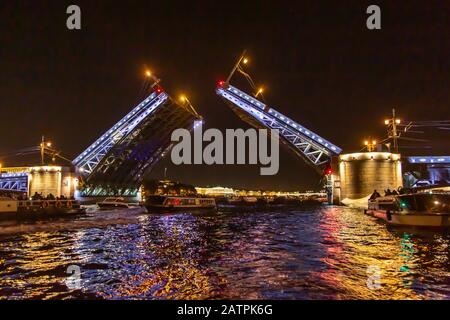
(312, 147)
(14, 182)
(89, 159)
(429, 159)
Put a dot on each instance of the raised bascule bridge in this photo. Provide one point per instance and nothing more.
(117, 162)
(315, 150)
(312, 148)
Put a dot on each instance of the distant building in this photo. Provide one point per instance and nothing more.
(215, 191)
(229, 192)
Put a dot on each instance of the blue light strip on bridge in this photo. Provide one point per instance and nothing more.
(103, 144)
(430, 160)
(291, 123)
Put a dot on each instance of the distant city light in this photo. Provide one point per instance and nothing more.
(245, 61)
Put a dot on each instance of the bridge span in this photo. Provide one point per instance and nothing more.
(116, 163)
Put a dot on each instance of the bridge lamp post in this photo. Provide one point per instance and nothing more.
(185, 100)
(242, 59)
(150, 76)
(259, 92)
(393, 130)
(43, 146)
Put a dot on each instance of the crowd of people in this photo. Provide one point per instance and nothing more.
(388, 192)
(38, 196)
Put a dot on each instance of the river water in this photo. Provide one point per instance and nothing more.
(309, 253)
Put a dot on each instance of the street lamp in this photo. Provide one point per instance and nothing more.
(242, 59)
(184, 99)
(260, 91)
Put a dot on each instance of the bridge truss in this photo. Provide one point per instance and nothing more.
(311, 147)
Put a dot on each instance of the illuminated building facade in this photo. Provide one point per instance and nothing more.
(51, 179)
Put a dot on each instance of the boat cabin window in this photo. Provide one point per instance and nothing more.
(435, 203)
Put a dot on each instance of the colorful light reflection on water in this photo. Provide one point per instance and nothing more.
(318, 253)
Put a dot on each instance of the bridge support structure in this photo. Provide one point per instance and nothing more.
(315, 150)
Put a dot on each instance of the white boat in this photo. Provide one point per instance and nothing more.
(113, 203)
(425, 209)
(177, 203)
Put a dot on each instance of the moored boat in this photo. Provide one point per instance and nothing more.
(425, 209)
(23, 209)
(178, 203)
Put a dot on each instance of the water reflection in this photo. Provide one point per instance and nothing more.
(321, 253)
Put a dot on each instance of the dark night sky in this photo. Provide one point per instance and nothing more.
(320, 64)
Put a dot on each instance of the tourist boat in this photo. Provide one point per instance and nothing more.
(12, 208)
(178, 203)
(427, 209)
(114, 203)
